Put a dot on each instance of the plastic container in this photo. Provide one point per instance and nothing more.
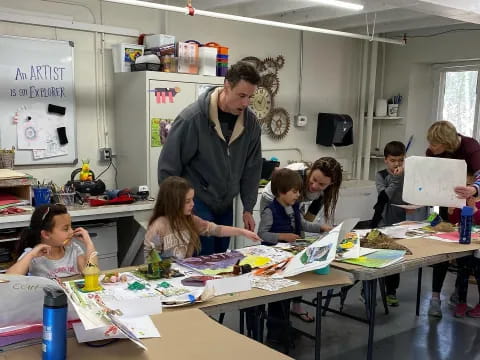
(67, 199)
(54, 343)
(221, 50)
(146, 67)
(323, 271)
(41, 195)
(466, 225)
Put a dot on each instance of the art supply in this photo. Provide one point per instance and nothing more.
(54, 341)
(466, 225)
(41, 195)
(91, 273)
(409, 143)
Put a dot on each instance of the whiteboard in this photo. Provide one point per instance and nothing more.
(430, 181)
(33, 74)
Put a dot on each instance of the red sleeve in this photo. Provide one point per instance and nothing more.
(476, 216)
(455, 217)
(472, 154)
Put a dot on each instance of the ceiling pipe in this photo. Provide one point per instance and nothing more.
(192, 11)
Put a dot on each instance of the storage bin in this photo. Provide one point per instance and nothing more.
(146, 67)
(67, 199)
(41, 195)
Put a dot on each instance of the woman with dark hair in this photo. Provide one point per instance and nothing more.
(321, 185)
(445, 142)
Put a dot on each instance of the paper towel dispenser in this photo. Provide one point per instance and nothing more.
(334, 129)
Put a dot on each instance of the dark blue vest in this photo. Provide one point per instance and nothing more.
(281, 220)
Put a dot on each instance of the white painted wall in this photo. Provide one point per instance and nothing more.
(408, 71)
(331, 71)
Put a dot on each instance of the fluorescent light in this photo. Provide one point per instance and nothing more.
(340, 4)
(185, 10)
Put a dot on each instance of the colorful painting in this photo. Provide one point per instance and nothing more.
(378, 259)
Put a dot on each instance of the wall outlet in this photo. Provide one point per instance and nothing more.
(300, 120)
(105, 154)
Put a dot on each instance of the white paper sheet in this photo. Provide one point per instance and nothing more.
(230, 285)
(326, 247)
(408, 206)
(21, 300)
(53, 147)
(143, 327)
(431, 181)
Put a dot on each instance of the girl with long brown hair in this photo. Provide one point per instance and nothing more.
(173, 230)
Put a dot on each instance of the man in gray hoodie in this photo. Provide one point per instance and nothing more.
(215, 144)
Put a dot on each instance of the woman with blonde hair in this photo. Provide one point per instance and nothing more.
(445, 142)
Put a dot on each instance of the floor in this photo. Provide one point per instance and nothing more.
(399, 335)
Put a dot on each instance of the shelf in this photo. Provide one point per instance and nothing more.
(9, 239)
(386, 117)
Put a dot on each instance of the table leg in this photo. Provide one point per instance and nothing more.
(318, 325)
(370, 289)
(242, 322)
(419, 290)
(327, 301)
(381, 285)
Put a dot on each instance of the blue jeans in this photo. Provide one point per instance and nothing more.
(213, 244)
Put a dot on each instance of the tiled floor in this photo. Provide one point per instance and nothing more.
(399, 335)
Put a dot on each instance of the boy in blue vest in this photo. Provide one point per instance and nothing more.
(281, 221)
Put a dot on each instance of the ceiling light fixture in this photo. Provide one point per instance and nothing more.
(192, 11)
(340, 4)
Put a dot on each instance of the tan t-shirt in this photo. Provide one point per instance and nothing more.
(161, 237)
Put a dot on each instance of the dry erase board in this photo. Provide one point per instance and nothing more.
(37, 100)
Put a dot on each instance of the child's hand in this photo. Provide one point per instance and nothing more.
(288, 237)
(251, 235)
(398, 171)
(82, 235)
(326, 228)
(40, 250)
(451, 210)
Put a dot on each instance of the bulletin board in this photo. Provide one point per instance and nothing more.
(37, 100)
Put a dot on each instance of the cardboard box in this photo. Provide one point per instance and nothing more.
(157, 40)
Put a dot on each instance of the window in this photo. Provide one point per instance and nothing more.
(458, 99)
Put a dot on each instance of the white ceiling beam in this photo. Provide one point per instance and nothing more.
(322, 13)
(359, 20)
(270, 8)
(407, 25)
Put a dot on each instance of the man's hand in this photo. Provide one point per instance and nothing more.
(248, 221)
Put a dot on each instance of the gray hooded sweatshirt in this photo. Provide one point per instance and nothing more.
(197, 151)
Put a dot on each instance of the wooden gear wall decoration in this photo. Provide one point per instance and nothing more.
(279, 123)
(274, 121)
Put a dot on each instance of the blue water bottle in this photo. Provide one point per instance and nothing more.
(54, 344)
(466, 225)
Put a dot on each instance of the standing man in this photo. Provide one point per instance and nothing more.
(215, 144)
